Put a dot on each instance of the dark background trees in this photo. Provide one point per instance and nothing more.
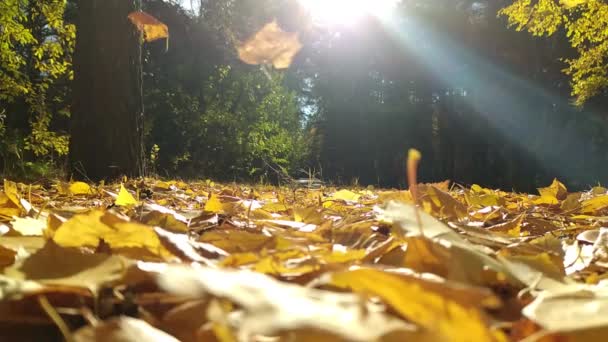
(484, 103)
(107, 110)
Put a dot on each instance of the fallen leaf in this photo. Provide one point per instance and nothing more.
(125, 198)
(29, 226)
(556, 190)
(88, 230)
(80, 188)
(278, 306)
(424, 304)
(68, 267)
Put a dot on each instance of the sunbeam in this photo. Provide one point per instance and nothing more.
(503, 98)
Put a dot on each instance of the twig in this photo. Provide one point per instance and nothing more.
(56, 318)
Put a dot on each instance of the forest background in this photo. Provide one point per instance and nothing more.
(483, 102)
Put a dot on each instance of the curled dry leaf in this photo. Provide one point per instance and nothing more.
(150, 27)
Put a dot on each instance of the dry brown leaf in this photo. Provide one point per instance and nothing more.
(270, 45)
(150, 27)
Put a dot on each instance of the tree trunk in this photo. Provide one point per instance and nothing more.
(107, 112)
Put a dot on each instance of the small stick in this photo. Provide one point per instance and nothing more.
(413, 159)
(55, 317)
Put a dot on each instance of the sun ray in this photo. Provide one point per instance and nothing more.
(346, 12)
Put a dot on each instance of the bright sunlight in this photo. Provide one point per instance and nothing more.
(346, 12)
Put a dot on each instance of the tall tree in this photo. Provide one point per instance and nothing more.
(36, 43)
(107, 112)
(586, 25)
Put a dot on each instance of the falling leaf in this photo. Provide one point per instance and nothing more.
(151, 28)
(124, 197)
(270, 45)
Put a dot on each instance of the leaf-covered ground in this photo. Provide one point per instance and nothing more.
(164, 261)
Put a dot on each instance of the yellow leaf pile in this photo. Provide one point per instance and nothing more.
(204, 261)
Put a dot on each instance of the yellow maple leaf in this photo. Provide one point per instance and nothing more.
(124, 197)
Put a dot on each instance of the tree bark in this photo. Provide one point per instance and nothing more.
(107, 111)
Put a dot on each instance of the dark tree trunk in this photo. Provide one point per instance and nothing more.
(107, 112)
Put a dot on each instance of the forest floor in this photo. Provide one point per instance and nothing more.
(154, 260)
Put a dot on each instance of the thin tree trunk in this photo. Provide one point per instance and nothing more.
(107, 112)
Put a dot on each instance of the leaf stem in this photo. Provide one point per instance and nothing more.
(413, 159)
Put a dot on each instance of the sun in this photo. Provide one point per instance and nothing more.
(346, 12)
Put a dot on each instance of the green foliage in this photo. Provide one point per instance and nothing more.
(36, 46)
(249, 120)
(586, 25)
